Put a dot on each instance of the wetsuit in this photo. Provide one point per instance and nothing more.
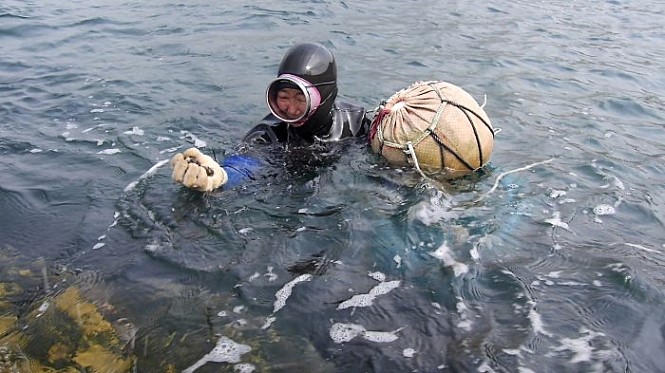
(329, 121)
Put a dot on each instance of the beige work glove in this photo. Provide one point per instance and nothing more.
(197, 171)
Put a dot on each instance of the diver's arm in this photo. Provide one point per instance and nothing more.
(241, 168)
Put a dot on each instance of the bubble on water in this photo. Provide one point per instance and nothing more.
(554, 274)
(269, 274)
(341, 333)
(134, 131)
(436, 209)
(228, 351)
(380, 337)
(285, 292)
(640, 247)
(109, 151)
(244, 368)
(408, 352)
(444, 254)
(360, 300)
(537, 321)
(378, 276)
(366, 300)
(268, 323)
(475, 255)
(604, 209)
(556, 221)
(557, 193)
(398, 260)
(582, 347)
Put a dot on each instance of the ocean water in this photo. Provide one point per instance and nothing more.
(550, 261)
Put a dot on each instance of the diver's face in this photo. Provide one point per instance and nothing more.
(291, 103)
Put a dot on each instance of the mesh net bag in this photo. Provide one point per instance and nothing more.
(435, 127)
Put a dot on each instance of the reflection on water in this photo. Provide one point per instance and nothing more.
(336, 264)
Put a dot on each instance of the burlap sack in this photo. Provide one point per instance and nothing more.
(435, 126)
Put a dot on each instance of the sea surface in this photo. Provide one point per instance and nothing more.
(551, 260)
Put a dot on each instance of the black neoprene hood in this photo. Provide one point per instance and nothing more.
(316, 64)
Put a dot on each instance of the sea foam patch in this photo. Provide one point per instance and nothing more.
(436, 209)
(285, 292)
(226, 351)
(366, 300)
(444, 254)
(340, 333)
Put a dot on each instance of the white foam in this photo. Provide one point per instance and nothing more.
(135, 131)
(398, 260)
(378, 276)
(581, 347)
(198, 143)
(148, 173)
(244, 368)
(536, 321)
(110, 151)
(366, 300)
(341, 333)
(556, 221)
(444, 254)
(43, 308)
(436, 209)
(464, 323)
(475, 255)
(226, 351)
(640, 247)
(380, 337)
(408, 353)
(604, 209)
(557, 193)
(285, 292)
(269, 321)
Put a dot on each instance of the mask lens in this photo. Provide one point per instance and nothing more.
(292, 99)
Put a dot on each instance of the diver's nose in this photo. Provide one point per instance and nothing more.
(293, 109)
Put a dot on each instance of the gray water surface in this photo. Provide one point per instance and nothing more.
(554, 268)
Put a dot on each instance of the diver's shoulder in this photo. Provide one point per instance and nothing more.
(348, 106)
(269, 130)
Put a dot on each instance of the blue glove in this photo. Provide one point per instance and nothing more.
(240, 168)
